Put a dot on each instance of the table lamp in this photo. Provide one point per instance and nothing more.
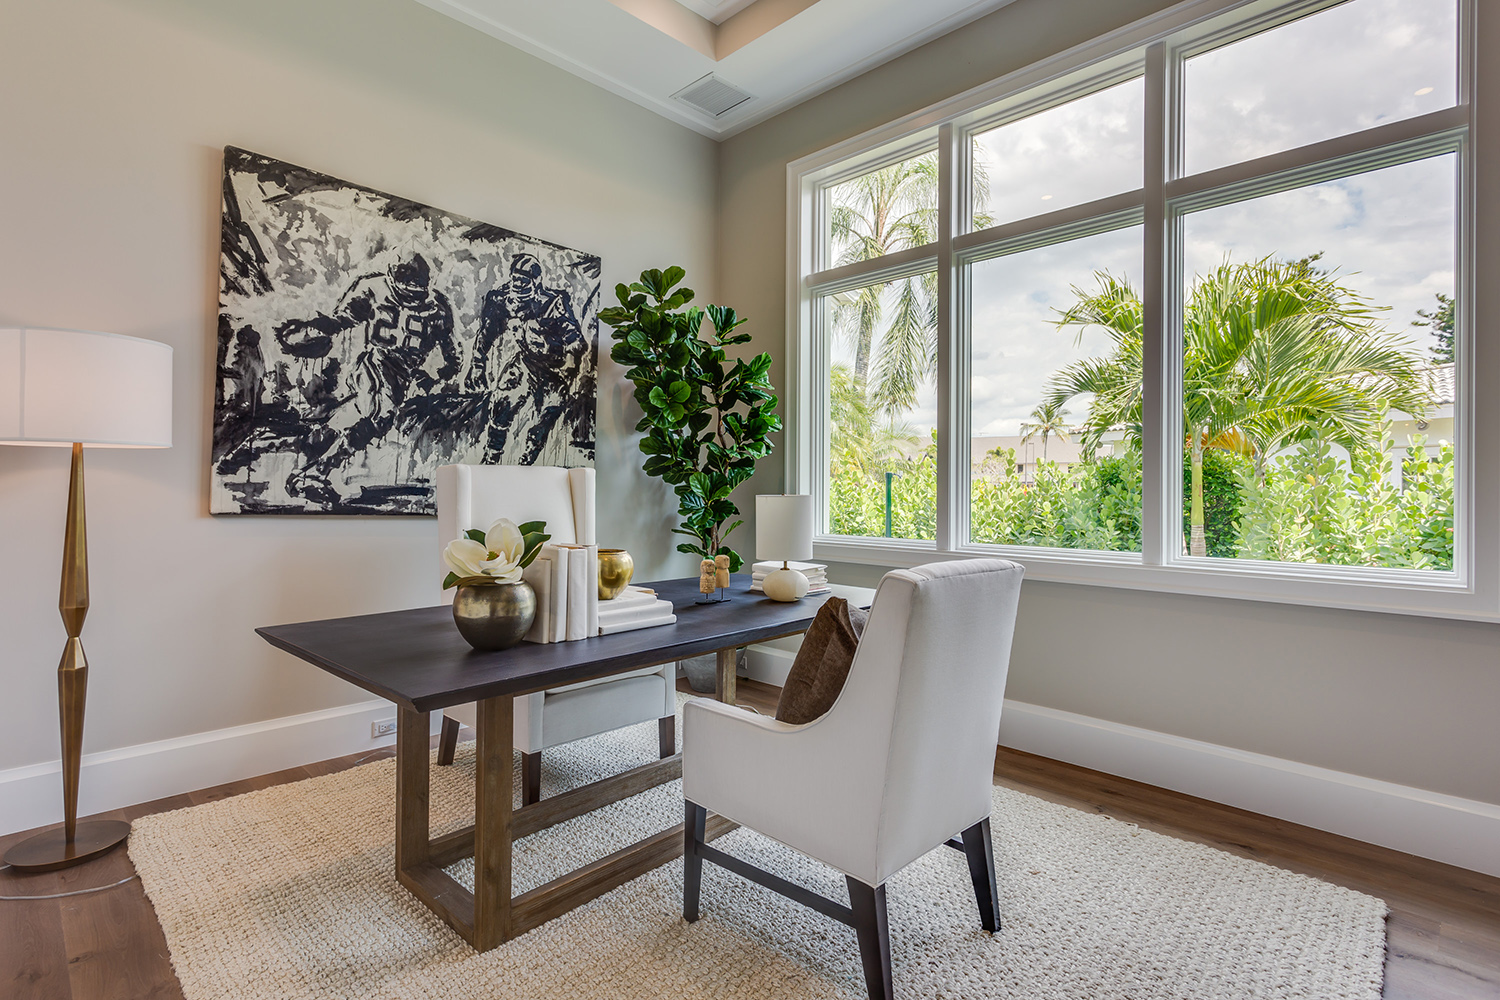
(76, 388)
(783, 530)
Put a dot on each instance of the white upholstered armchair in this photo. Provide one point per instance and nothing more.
(902, 762)
(475, 496)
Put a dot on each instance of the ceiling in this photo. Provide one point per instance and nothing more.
(717, 11)
(780, 52)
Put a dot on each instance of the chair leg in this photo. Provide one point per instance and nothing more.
(666, 735)
(447, 742)
(531, 778)
(874, 933)
(692, 862)
(980, 851)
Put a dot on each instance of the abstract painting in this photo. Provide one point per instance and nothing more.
(364, 340)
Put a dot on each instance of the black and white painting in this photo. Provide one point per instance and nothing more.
(364, 340)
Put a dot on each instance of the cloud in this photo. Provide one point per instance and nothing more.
(1389, 233)
(1347, 68)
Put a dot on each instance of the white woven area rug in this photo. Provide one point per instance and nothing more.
(289, 893)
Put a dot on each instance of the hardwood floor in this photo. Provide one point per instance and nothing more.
(1443, 933)
(1444, 928)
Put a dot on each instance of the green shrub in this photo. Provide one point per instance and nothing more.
(1223, 473)
(1315, 506)
(1312, 505)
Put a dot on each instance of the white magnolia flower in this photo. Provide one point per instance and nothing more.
(465, 557)
(499, 557)
(505, 540)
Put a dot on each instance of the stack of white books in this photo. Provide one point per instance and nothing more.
(566, 581)
(816, 573)
(636, 607)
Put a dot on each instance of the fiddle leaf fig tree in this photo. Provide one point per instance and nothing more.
(707, 417)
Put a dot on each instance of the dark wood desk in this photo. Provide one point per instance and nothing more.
(418, 660)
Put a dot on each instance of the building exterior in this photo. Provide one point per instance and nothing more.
(985, 453)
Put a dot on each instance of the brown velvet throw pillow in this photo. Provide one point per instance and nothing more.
(822, 664)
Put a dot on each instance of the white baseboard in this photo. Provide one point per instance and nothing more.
(32, 796)
(1446, 828)
(769, 662)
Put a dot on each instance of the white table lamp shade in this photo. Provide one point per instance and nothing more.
(783, 527)
(58, 387)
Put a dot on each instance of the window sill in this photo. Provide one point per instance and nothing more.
(1407, 592)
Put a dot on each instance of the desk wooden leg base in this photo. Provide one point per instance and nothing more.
(451, 847)
(490, 916)
(726, 677)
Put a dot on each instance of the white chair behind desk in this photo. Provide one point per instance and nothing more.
(902, 762)
(475, 496)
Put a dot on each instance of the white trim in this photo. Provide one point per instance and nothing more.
(912, 260)
(952, 515)
(31, 796)
(1118, 211)
(769, 663)
(1404, 141)
(1445, 828)
(1354, 588)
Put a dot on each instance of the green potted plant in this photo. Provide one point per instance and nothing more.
(707, 417)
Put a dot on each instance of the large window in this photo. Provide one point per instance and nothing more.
(1190, 314)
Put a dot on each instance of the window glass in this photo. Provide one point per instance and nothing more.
(1074, 153)
(882, 409)
(1052, 327)
(881, 212)
(1355, 66)
(1318, 372)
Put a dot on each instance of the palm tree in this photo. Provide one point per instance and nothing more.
(883, 212)
(855, 440)
(894, 335)
(1274, 353)
(1047, 420)
(851, 434)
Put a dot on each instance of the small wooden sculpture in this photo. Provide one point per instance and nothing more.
(707, 576)
(721, 571)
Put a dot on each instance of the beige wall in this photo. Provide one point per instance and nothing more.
(112, 118)
(1403, 699)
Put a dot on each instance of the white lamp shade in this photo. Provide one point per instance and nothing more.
(63, 386)
(783, 527)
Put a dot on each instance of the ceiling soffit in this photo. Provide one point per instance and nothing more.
(781, 52)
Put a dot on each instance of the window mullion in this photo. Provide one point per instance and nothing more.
(1162, 141)
(952, 495)
(887, 267)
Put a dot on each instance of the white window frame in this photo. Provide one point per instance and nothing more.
(1152, 48)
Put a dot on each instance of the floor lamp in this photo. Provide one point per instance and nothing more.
(75, 388)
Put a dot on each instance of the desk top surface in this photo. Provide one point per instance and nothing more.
(417, 658)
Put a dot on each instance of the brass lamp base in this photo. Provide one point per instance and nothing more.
(74, 842)
(51, 849)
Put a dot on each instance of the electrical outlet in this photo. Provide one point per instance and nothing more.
(386, 727)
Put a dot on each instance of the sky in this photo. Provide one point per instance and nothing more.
(1389, 234)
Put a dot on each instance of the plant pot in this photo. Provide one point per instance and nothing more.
(615, 570)
(703, 671)
(492, 616)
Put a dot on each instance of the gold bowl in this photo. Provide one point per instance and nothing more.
(615, 570)
(494, 616)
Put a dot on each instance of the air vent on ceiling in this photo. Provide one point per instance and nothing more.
(712, 96)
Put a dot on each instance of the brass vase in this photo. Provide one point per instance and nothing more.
(492, 616)
(615, 570)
